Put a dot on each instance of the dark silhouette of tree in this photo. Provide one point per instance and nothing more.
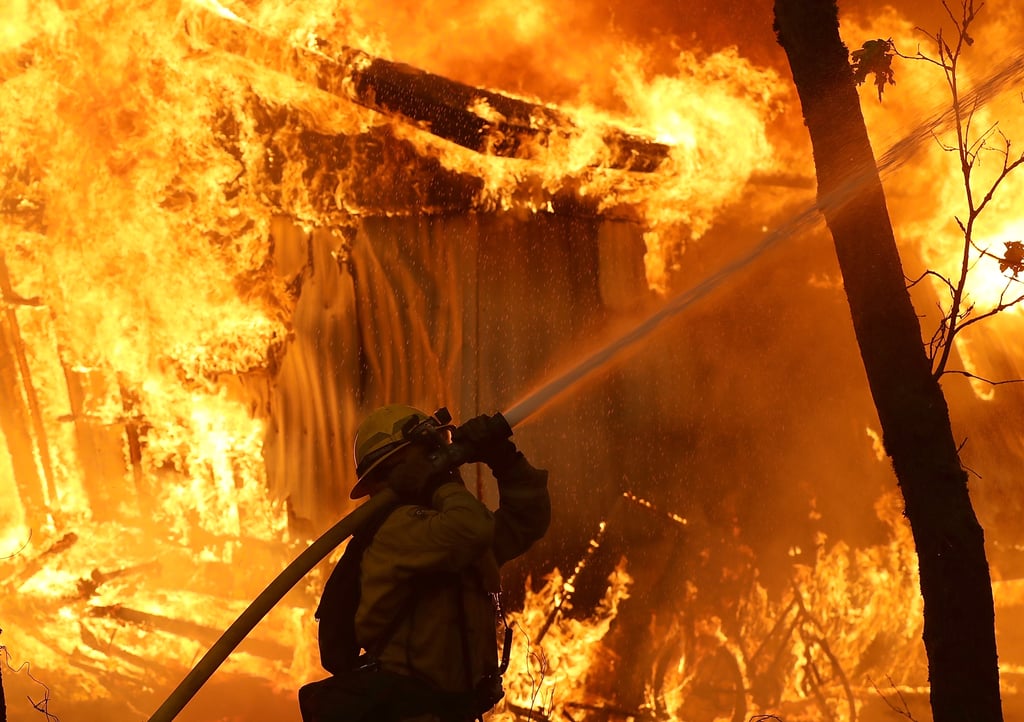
(959, 620)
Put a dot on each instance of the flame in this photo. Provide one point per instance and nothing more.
(142, 170)
(712, 111)
(929, 232)
(544, 676)
(850, 594)
(824, 649)
(134, 240)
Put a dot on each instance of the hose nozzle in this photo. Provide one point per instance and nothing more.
(450, 456)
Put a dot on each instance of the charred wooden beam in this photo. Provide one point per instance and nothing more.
(14, 424)
(21, 418)
(569, 585)
(527, 713)
(89, 639)
(480, 120)
(123, 682)
(87, 586)
(100, 445)
(135, 427)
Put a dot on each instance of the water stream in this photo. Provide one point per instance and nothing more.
(896, 156)
(539, 397)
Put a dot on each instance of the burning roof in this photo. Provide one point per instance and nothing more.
(224, 230)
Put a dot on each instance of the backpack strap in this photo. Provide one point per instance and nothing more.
(464, 634)
(393, 624)
(339, 601)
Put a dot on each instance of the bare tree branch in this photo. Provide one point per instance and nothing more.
(903, 709)
(929, 272)
(969, 146)
(998, 308)
(990, 382)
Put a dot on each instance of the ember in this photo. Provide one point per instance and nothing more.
(226, 230)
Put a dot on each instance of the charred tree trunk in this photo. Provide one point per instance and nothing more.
(959, 622)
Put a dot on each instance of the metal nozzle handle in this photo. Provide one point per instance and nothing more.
(455, 454)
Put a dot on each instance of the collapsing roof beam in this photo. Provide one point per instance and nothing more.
(480, 120)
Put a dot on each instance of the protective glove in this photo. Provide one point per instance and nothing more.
(486, 439)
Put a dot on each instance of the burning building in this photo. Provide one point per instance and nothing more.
(228, 231)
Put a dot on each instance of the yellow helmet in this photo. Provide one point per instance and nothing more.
(383, 433)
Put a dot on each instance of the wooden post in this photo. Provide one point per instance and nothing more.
(32, 399)
(15, 417)
(135, 429)
(99, 448)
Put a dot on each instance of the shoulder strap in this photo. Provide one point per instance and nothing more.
(464, 633)
(339, 601)
(389, 631)
(352, 558)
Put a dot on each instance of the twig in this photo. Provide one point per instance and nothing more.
(542, 664)
(964, 466)
(969, 145)
(927, 273)
(42, 705)
(904, 709)
(968, 374)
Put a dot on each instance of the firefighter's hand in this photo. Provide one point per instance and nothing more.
(486, 438)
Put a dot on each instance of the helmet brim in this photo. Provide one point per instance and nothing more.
(363, 485)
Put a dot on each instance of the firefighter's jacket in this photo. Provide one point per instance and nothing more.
(423, 557)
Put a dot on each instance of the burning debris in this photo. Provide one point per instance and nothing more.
(222, 237)
(480, 120)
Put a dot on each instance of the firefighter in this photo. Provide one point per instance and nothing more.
(428, 572)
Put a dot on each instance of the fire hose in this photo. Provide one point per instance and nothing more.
(447, 457)
(454, 456)
(897, 155)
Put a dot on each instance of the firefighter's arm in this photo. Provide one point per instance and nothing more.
(524, 507)
(445, 537)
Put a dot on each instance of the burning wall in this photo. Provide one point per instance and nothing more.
(211, 267)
